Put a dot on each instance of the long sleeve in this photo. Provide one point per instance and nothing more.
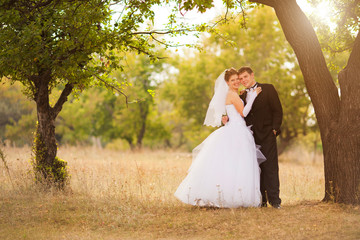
(249, 103)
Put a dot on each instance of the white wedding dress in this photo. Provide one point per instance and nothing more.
(225, 171)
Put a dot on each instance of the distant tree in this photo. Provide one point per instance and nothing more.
(185, 97)
(75, 124)
(105, 116)
(17, 115)
(21, 132)
(132, 122)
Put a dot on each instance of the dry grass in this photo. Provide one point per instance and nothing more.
(117, 195)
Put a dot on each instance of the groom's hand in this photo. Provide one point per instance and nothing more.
(258, 90)
(224, 119)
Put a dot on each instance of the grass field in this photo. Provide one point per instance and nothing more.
(123, 195)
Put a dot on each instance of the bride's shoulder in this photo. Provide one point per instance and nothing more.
(230, 97)
(232, 94)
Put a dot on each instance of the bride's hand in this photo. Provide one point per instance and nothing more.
(258, 90)
(224, 119)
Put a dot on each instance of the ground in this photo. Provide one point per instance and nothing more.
(124, 195)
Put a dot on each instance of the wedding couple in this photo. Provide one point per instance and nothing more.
(225, 171)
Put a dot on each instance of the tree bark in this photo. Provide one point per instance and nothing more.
(45, 147)
(346, 175)
(144, 111)
(338, 118)
(48, 168)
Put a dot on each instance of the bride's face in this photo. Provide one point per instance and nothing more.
(234, 82)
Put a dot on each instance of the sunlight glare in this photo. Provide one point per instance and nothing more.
(323, 11)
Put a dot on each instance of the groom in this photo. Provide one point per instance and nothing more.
(265, 118)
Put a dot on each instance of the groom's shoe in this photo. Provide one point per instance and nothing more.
(264, 204)
(276, 205)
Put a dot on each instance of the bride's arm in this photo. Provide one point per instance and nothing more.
(250, 101)
(239, 105)
(249, 104)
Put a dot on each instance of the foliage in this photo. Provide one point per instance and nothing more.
(104, 115)
(21, 132)
(139, 120)
(75, 122)
(73, 39)
(336, 37)
(344, 17)
(15, 107)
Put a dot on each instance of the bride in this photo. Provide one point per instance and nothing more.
(225, 172)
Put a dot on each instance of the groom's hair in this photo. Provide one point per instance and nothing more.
(245, 69)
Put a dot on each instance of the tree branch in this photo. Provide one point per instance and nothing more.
(121, 14)
(162, 32)
(145, 52)
(112, 87)
(243, 14)
(340, 50)
(62, 99)
(349, 80)
(354, 59)
(165, 44)
(227, 11)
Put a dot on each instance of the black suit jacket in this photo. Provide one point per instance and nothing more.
(266, 113)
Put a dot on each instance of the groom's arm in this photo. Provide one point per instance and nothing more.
(276, 108)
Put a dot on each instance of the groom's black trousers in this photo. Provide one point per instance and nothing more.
(269, 178)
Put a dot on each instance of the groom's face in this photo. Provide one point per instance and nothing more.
(246, 79)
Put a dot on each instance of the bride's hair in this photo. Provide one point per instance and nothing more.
(229, 72)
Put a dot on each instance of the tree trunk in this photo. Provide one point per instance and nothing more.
(343, 167)
(338, 118)
(49, 169)
(144, 111)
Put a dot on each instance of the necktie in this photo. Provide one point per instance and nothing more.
(252, 88)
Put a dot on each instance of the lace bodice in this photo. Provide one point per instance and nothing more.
(234, 115)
